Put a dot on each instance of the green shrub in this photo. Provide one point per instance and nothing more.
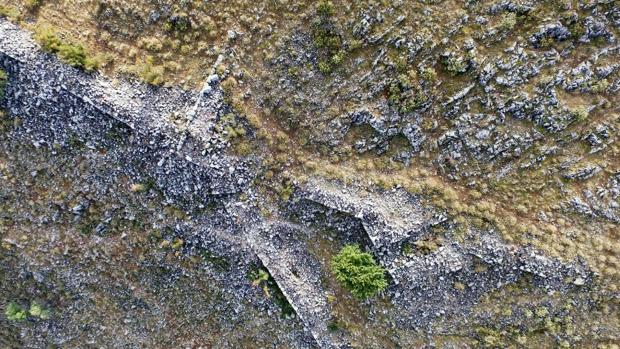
(404, 96)
(152, 74)
(338, 57)
(38, 311)
(579, 114)
(325, 8)
(72, 54)
(455, 65)
(48, 40)
(429, 74)
(178, 22)
(326, 38)
(148, 72)
(577, 29)
(407, 249)
(325, 67)
(358, 272)
(14, 312)
(508, 21)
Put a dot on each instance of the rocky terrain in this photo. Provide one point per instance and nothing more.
(184, 174)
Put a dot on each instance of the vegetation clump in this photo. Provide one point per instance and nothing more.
(358, 272)
(404, 96)
(148, 72)
(230, 127)
(72, 54)
(580, 114)
(15, 312)
(37, 310)
(325, 8)
(178, 22)
(33, 5)
(3, 81)
(508, 21)
(260, 277)
(326, 38)
(9, 12)
(455, 65)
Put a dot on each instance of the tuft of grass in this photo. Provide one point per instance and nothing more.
(325, 8)
(508, 21)
(404, 96)
(219, 262)
(178, 22)
(326, 38)
(10, 12)
(15, 312)
(38, 311)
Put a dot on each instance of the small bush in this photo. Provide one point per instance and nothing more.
(326, 38)
(178, 22)
(14, 312)
(151, 74)
(48, 40)
(325, 8)
(36, 310)
(324, 67)
(148, 72)
(455, 65)
(429, 74)
(72, 54)
(508, 22)
(404, 96)
(338, 57)
(580, 114)
(358, 272)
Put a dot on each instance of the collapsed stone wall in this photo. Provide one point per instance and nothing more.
(58, 106)
(55, 101)
(169, 136)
